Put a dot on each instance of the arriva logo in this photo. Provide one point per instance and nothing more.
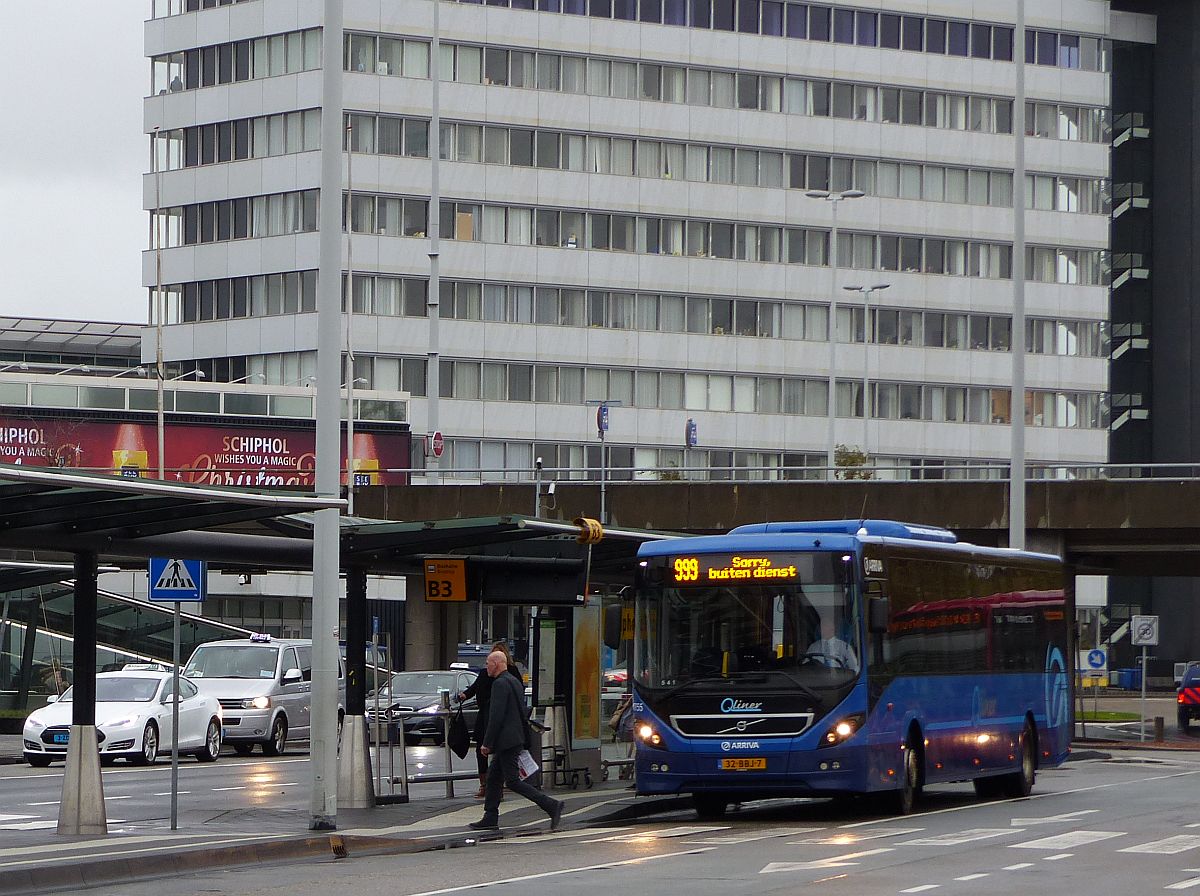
(728, 745)
(731, 705)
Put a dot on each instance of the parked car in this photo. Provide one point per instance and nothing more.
(414, 698)
(264, 685)
(1187, 696)
(134, 716)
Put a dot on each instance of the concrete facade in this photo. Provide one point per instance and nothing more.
(624, 216)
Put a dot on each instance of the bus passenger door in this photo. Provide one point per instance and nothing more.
(885, 720)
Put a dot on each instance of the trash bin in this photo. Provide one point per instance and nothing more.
(1133, 679)
(1120, 678)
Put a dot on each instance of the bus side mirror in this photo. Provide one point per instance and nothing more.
(878, 612)
(612, 626)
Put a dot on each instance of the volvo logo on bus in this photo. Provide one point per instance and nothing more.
(729, 704)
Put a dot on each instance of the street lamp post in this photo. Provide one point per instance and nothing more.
(834, 197)
(249, 376)
(350, 381)
(866, 392)
(82, 368)
(602, 406)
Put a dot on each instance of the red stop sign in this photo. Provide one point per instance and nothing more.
(437, 444)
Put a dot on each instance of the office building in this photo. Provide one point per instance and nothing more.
(625, 217)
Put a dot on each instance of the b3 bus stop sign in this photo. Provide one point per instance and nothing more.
(1143, 631)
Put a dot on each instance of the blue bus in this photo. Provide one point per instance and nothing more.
(847, 657)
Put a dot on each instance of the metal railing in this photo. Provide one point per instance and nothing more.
(617, 476)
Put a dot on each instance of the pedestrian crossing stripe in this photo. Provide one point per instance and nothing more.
(175, 577)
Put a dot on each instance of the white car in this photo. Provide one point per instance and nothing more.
(133, 720)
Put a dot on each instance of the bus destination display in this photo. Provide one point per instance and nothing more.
(717, 569)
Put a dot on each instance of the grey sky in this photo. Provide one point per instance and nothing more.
(72, 78)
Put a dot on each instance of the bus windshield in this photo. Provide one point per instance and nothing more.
(798, 617)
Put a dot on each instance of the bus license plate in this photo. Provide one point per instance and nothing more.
(744, 763)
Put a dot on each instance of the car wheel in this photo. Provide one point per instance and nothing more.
(107, 760)
(149, 753)
(38, 761)
(1184, 720)
(278, 742)
(212, 743)
(243, 749)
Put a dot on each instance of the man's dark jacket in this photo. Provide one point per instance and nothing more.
(506, 715)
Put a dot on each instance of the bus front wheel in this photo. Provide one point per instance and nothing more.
(709, 806)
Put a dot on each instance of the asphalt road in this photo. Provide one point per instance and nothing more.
(1126, 826)
(29, 797)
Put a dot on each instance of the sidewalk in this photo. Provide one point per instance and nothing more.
(41, 861)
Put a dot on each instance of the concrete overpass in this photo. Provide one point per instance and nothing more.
(1120, 527)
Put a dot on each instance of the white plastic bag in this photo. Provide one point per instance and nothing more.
(526, 765)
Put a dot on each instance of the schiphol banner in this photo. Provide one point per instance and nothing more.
(178, 580)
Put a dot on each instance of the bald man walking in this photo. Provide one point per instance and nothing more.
(505, 738)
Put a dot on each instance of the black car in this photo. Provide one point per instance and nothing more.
(414, 698)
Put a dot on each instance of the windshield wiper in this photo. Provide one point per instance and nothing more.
(802, 688)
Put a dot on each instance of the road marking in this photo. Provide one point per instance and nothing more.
(1034, 796)
(162, 769)
(113, 799)
(601, 865)
(1067, 841)
(658, 834)
(851, 839)
(921, 889)
(1052, 819)
(1185, 884)
(966, 877)
(16, 817)
(735, 839)
(47, 803)
(1017, 867)
(956, 838)
(831, 862)
(221, 789)
(1061, 855)
(1166, 846)
(168, 793)
(522, 839)
(29, 826)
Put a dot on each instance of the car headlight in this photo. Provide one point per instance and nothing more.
(119, 723)
(34, 724)
(430, 710)
(256, 703)
(842, 730)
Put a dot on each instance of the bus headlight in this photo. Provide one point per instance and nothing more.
(842, 730)
(648, 735)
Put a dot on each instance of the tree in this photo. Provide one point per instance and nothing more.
(851, 462)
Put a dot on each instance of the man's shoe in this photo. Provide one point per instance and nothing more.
(484, 825)
(556, 815)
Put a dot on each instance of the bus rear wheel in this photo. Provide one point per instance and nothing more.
(904, 800)
(1020, 782)
(709, 806)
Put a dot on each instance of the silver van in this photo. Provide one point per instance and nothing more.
(264, 685)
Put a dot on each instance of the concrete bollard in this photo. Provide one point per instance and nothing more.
(1158, 729)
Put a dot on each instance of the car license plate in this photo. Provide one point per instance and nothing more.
(60, 737)
(744, 763)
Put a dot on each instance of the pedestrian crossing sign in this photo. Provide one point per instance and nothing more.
(172, 579)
